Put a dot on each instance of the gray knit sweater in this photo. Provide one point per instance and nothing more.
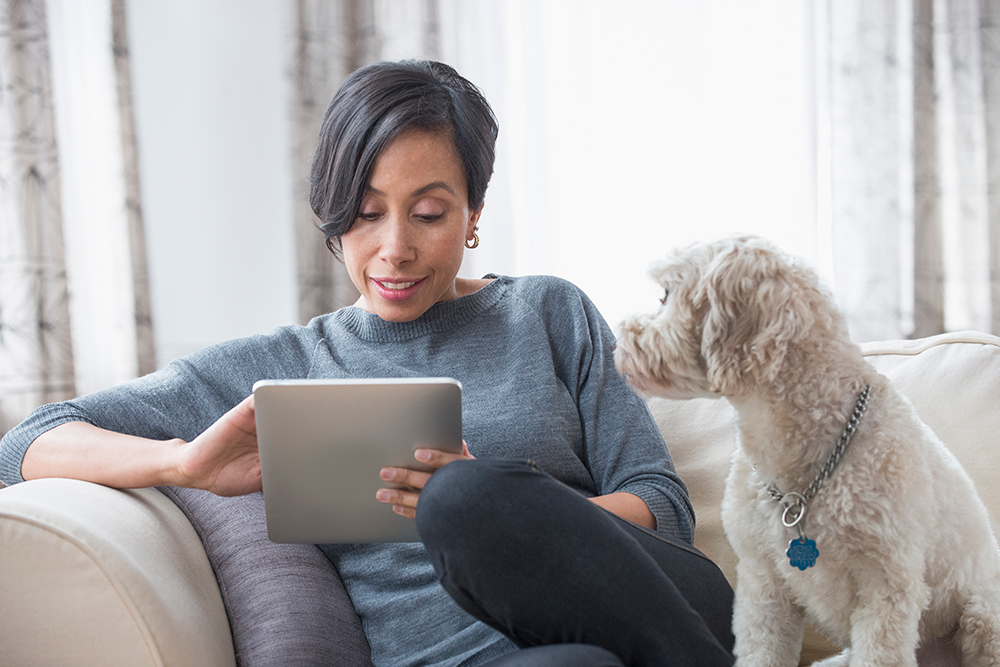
(534, 357)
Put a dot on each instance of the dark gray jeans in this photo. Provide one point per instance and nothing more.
(533, 558)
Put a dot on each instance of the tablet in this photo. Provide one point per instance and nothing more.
(323, 442)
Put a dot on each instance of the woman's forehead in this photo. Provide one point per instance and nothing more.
(421, 160)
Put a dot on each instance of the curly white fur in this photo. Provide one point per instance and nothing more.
(907, 555)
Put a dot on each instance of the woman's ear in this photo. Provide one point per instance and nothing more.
(473, 222)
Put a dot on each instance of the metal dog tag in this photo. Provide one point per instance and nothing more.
(802, 552)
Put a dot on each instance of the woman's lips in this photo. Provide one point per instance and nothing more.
(395, 289)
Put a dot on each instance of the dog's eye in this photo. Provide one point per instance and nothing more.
(666, 293)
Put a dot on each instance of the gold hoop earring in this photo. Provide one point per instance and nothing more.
(475, 241)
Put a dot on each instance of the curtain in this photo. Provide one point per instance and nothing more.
(36, 357)
(74, 297)
(141, 306)
(912, 91)
(332, 39)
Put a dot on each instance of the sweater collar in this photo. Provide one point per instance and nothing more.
(439, 317)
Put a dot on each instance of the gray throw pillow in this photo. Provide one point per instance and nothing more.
(286, 602)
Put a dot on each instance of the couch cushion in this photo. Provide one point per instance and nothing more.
(286, 602)
(953, 381)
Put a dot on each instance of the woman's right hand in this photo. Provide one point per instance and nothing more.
(224, 458)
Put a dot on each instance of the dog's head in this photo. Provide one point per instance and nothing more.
(732, 311)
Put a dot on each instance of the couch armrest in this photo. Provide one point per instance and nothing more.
(98, 576)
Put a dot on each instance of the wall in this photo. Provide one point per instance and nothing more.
(211, 100)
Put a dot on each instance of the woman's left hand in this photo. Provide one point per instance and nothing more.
(404, 501)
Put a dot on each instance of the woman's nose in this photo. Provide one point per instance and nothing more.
(397, 241)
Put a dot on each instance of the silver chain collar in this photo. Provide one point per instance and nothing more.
(795, 507)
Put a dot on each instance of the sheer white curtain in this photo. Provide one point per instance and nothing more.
(863, 135)
(630, 128)
(912, 94)
(102, 212)
(36, 358)
(71, 246)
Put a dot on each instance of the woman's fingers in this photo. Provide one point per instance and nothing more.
(412, 478)
(435, 458)
(224, 458)
(404, 500)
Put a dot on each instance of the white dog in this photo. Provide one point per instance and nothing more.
(830, 458)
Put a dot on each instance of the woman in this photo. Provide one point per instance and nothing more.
(569, 533)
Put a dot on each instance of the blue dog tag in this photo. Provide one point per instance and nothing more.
(802, 552)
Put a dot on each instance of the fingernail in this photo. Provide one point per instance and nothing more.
(422, 455)
(387, 473)
(382, 495)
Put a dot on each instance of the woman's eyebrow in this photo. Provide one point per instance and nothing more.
(419, 191)
(432, 186)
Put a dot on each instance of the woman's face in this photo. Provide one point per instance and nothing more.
(405, 249)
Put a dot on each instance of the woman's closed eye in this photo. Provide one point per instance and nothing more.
(428, 211)
(371, 216)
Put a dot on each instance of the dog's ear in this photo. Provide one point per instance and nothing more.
(757, 303)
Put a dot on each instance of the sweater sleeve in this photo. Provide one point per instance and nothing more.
(623, 446)
(179, 401)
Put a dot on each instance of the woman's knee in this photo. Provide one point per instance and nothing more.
(470, 509)
(467, 493)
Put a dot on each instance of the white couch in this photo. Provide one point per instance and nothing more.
(95, 576)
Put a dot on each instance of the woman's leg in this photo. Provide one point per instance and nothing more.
(544, 565)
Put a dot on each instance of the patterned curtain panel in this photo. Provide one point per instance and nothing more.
(332, 39)
(72, 248)
(145, 356)
(36, 358)
(914, 119)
